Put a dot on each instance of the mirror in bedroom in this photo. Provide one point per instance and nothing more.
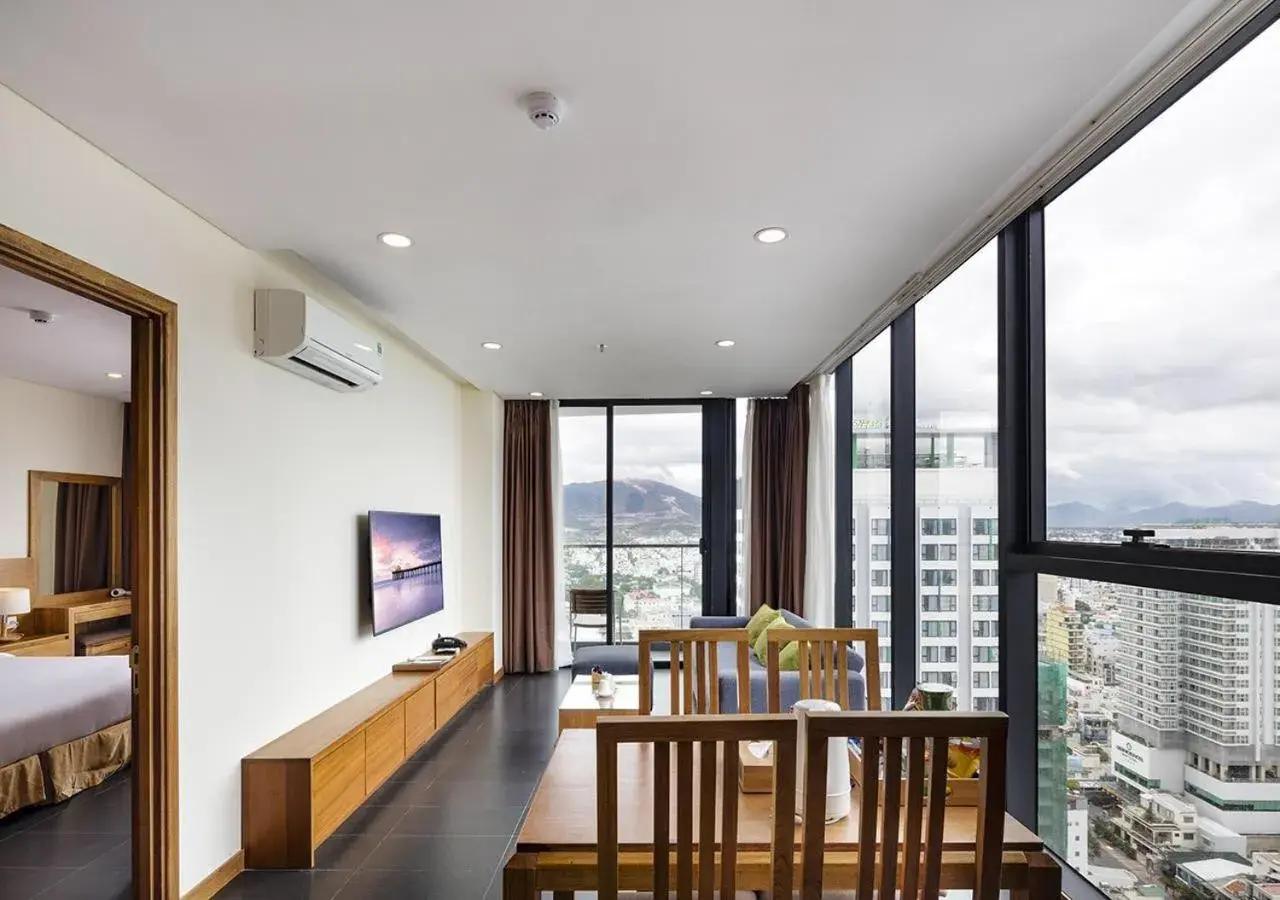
(76, 529)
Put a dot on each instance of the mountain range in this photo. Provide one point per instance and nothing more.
(663, 505)
(1082, 515)
(644, 499)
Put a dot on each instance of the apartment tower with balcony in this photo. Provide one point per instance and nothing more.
(956, 545)
(1198, 706)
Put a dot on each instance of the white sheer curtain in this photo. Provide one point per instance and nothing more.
(744, 523)
(564, 650)
(820, 512)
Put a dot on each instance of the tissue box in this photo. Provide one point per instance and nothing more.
(755, 776)
(960, 791)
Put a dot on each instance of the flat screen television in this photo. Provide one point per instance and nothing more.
(406, 568)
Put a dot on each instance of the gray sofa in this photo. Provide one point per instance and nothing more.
(790, 681)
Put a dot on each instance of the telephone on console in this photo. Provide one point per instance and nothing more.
(447, 645)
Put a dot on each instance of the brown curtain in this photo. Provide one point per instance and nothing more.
(130, 500)
(83, 538)
(779, 468)
(528, 539)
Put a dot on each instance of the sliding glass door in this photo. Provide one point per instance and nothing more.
(635, 523)
(657, 518)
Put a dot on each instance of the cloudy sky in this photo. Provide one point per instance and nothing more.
(1162, 320)
(663, 444)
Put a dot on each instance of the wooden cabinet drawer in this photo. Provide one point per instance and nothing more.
(116, 646)
(337, 786)
(419, 717)
(383, 747)
(41, 646)
(455, 686)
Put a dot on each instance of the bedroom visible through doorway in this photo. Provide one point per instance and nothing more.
(88, 767)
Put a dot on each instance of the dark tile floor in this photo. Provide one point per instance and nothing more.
(78, 850)
(442, 827)
(445, 823)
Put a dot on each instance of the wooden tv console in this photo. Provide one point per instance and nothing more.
(298, 789)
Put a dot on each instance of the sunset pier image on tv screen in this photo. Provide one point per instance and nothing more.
(406, 564)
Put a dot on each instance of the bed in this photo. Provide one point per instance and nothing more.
(64, 726)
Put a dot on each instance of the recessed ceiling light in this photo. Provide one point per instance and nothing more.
(115, 374)
(491, 345)
(392, 239)
(535, 393)
(725, 343)
(706, 393)
(771, 235)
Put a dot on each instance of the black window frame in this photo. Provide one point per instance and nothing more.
(1023, 548)
(718, 546)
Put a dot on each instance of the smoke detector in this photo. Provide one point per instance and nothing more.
(544, 109)
(40, 316)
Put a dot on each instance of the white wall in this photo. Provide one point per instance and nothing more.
(54, 430)
(482, 422)
(272, 474)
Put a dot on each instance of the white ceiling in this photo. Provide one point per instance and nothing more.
(875, 132)
(75, 351)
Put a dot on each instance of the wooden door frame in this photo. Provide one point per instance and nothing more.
(152, 516)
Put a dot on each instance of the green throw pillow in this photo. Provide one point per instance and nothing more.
(763, 616)
(790, 650)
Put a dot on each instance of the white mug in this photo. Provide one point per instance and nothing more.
(605, 688)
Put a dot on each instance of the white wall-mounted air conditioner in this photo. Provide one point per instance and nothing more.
(295, 332)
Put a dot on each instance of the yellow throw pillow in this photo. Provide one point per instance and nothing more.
(763, 616)
(762, 645)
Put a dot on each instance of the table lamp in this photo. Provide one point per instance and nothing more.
(14, 601)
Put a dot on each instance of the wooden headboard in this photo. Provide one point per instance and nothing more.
(19, 572)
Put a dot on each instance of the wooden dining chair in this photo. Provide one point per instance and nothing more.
(824, 663)
(910, 809)
(717, 739)
(695, 668)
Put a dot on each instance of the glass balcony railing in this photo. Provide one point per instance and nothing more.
(654, 586)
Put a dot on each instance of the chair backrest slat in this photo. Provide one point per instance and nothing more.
(782, 859)
(607, 828)
(867, 837)
(814, 827)
(728, 822)
(822, 654)
(661, 819)
(927, 737)
(684, 820)
(695, 668)
(707, 819)
(915, 817)
(991, 808)
(890, 836)
(718, 739)
(744, 684)
(842, 682)
(936, 814)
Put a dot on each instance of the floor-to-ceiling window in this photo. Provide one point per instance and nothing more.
(870, 538)
(657, 517)
(584, 456)
(1158, 702)
(1095, 498)
(956, 491)
(635, 522)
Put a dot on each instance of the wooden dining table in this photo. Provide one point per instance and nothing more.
(556, 848)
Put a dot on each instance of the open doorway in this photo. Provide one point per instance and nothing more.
(87, 573)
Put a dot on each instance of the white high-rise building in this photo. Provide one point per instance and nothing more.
(957, 597)
(1198, 705)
